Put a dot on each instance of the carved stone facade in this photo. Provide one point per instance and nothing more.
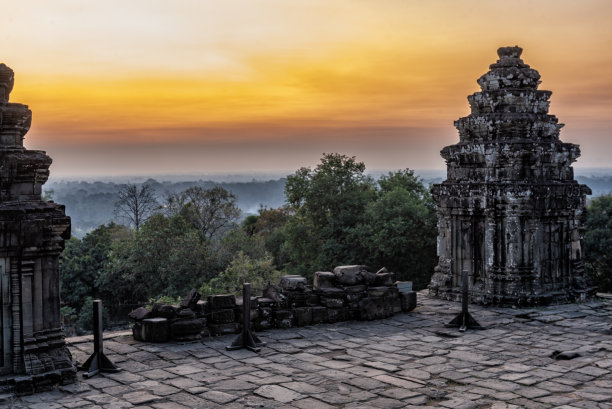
(510, 211)
(32, 233)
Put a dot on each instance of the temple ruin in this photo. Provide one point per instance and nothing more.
(510, 211)
(32, 233)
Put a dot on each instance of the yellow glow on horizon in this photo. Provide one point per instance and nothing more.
(155, 72)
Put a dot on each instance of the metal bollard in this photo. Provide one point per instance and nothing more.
(246, 339)
(97, 362)
(464, 319)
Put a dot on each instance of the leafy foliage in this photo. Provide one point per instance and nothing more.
(335, 214)
(343, 217)
(243, 269)
(83, 261)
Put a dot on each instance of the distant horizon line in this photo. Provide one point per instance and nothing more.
(261, 175)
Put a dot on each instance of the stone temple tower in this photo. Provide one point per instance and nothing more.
(510, 211)
(32, 233)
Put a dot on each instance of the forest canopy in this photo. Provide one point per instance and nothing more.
(334, 214)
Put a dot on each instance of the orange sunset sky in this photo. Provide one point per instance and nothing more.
(150, 87)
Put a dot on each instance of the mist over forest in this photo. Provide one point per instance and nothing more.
(90, 202)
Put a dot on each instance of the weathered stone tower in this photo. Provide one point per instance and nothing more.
(32, 233)
(510, 211)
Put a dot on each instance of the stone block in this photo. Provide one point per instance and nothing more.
(274, 292)
(353, 305)
(186, 329)
(191, 300)
(336, 314)
(140, 313)
(355, 289)
(396, 304)
(263, 325)
(238, 312)
(350, 275)
(384, 279)
(151, 330)
(264, 321)
(313, 299)
(224, 329)
(408, 301)
(377, 292)
(368, 278)
(302, 316)
(351, 297)
(283, 319)
(374, 308)
(332, 300)
(201, 308)
(221, 301)
(404, 286)
(205, 333)
(319, 314)
(265, 302)
(324, 279)
(222, 316)
(293, 283)
(163, 311)
(254, 302)
(352, 314)
(185, 313)
(296, 298)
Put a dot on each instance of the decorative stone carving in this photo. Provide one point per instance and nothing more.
(32, 234)
(510, 211)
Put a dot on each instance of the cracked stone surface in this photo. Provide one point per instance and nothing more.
(408, 361)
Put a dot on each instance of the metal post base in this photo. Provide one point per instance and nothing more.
(246, 339)
(464, 321)
(97, 362)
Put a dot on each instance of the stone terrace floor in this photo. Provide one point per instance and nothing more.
(407, 361)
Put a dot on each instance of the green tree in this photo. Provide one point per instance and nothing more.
(598, 242)
(269, 226)
(243, 269)
(329, 202)
(83, 261)
(166, 257)
(400, 228)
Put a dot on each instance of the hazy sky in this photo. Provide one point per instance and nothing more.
(151, 86)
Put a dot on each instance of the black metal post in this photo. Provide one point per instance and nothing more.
(246, 339)
(97, 362)
(464, 319)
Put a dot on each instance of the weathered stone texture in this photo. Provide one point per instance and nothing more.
(510, 211)
(32, 234)
(349, 293)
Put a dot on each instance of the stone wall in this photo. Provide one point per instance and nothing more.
(347, 293)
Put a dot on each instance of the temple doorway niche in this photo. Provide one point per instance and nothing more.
(5, 317)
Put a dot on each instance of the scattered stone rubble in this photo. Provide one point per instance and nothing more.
(510, 211)
(347, 293)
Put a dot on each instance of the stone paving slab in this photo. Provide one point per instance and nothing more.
(408, 361)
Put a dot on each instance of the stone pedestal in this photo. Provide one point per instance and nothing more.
(32, 234)
(510, 211)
